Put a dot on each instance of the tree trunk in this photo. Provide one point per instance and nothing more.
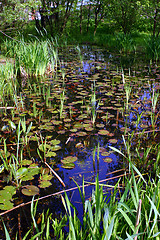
(89, 14)
(80, 25)
(155, 22)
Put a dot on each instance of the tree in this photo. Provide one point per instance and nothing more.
(124, 12)
(151, 12)
(14, 13)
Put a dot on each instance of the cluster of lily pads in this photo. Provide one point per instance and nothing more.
(61, 120)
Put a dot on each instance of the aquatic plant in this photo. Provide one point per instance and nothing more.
(125, 43)
(94, 104)
(33, 58)
(8, 83)
(128, 90)
(153, 48)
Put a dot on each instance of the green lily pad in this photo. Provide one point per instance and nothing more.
(26, 162)
(108, 160)
(30, 190)
(55, 148)
(44, 184)
(41, 146)
(46, 177)
(31, 172)
(6, 206)
(113, 141)
(50, 154)
(10, 189)
(103, 132)
(55, 142)
(5, 196)
(81, 134)
(105, 154)
(68, 165)
(69, 159)
(21, 172)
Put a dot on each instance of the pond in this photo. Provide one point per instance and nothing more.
(96, 102)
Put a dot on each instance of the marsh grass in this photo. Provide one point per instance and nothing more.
(153, 48)
(33, 58)
(8, 82)
(125, 43)
(129, 214)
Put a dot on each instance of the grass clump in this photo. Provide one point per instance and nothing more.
(8, 83)
(32, 58)
(134, 216)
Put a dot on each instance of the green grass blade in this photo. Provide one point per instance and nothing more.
(6, 232)
(128, 220)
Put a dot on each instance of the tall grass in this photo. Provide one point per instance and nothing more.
(153, 48)
(8, 83)
(32, 58)
(134, 216)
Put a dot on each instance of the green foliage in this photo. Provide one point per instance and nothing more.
(153, 48)
(124, 43)
(16, 12)
(135, 214)
(8, 83)
(32, 58)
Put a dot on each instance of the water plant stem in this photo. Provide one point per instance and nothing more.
(57, 176)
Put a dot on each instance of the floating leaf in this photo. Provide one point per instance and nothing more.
(55, 148)
(10, 189)
(5, 195)
(50, 154)
(26, 162)
(105, 154)
(113, 141)
(30, 190)
(46, 177)
(69, 159)
(6, 206)
(81, 134)
(21, 172)
(103, 132)
(44, 184)
(68, 165)
(55, 142)
(108, 160)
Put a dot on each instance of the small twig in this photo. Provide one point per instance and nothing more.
(138, 216)
(149, 131)
(10, 37)
(68, 140)
(51, 195)
(19, 226)
(61, 181)
(7, 107)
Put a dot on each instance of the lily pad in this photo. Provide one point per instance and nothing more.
(30, 190)
(113, 141)
(68, 165)
(26, 162)
(6, 206)
(10, 189)
(108, 160)
(55, 142)
(105, 154)
(103, 132)
(55, 148)
(69, 159)
(46, 177)
(81, 134)
(50, 154)
(44, 184)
